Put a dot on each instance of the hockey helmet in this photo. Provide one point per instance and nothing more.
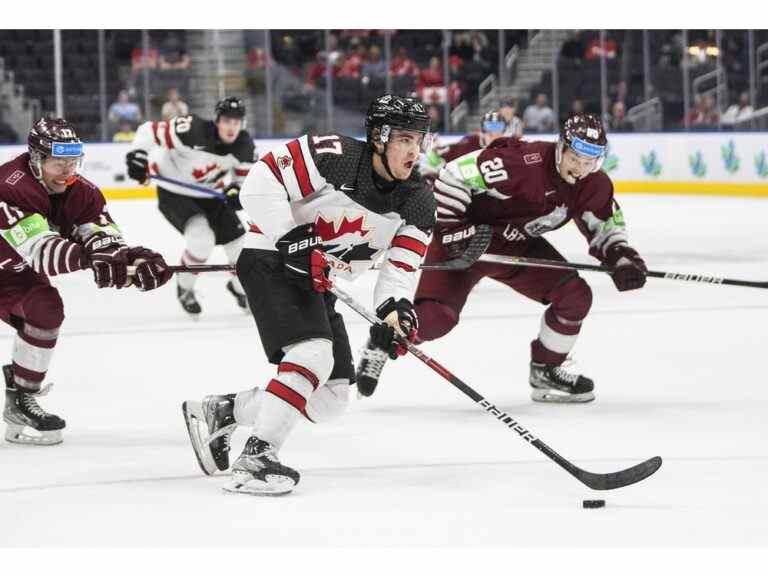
(52, 137)
(231, 107)
(585, 135)
(391, 111)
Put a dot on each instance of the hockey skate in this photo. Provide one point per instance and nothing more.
(26, 422)
(257, 471)
(555, 384)
(188, 301)
(369, 369)
(210, 424)
(240, 298)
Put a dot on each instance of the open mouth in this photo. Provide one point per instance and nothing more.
(409, 164)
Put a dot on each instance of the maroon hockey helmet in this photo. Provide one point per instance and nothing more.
(493, 121)
(585, 135)
(52, 137)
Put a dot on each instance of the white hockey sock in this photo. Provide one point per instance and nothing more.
(247, 405)
(329, 401)
(200, 241)
(232, 250)
(276, 419)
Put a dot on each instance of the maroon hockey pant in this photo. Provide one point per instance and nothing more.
(440, 297)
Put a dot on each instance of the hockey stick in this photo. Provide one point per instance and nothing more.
(477, 246)
(609, 481)
(194, 187)
(541, 263)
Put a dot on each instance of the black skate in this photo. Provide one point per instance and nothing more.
(555, 384)
(188, 301)
(240, 298)
(369, 369)
(257, 471)
(210, 424)
(27, 422)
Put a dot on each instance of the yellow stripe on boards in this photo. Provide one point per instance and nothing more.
(691, 188)
(129, 193)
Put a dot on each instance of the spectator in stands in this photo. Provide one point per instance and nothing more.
(125, 133)
(577, 106)
(539, 117)
(436, 118)
(350, 67)
(618, 121)
(141, 60)
(124, 110)
(375, 68)
(175, 106)
(508, 111)
(594, 50)
(704, 114)
(573, 48)
(173, 56)
(287, 53)
(403, 65)
(432, 75)
(740, 111)
(316, 72)
(461, 46)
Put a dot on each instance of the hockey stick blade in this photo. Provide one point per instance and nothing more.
(596, 481)
(476, 248)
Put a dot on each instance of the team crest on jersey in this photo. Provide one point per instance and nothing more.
(14, 177)
(200, 173)
(534, 158)
(284, 161)
(341, 238)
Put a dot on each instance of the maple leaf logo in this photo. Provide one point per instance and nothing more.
(329, 231)
(200, 173)
(284, 161)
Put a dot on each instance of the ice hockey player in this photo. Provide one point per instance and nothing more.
(53, 221)
(215, 154)
(524, 190)
(493, 127)
(319, 202)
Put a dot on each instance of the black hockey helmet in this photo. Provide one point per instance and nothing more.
(231, 107)
(52, 137)
(585, 135)
(391, 111)
(493, 121)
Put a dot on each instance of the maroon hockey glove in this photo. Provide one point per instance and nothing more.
(106, 256)
(630, 269)
(455, 239)
(151, 271)
(398, 317)
(304, 261)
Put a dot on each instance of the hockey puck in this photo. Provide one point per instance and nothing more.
(593, 503)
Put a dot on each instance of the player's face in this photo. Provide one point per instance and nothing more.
(403, 152)
(574, 167)
(58, 173)
(489, 137)
(229, 128)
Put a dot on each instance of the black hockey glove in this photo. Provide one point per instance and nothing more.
(138, 165)
(151, 271)
(303, 258)
(630, 269)
(107, 257)
(455, 239)
(232, 193)
(398, 318)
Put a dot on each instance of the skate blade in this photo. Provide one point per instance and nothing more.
(17, 434)
(246, 484)
(198, 436)
(557, 397)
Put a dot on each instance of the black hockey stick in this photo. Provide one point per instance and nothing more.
(609, 481)
(477, 246)
(541, 263)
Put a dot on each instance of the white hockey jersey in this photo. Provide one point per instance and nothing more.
(188, 149)
(327, 180)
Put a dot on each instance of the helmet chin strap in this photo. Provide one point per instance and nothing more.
(385, 161)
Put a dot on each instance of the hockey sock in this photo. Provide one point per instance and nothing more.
(32, 353)
(329, 401)
(200, 241)
(247, 405)
(232, 250)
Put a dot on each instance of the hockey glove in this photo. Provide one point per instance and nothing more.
(107, 257)
(303, 258)
(399, 318)
(138, 165)
(151, 271)
(453, 197)
(630, 269)
(232, 193)
(455, 239)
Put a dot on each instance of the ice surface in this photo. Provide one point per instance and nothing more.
(679, 371)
